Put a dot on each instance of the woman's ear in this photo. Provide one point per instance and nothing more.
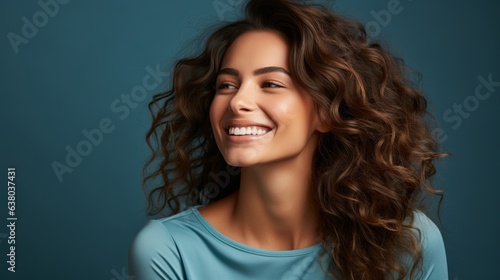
(322, 128)
(321, 124)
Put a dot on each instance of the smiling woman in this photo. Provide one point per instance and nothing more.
(332, 150)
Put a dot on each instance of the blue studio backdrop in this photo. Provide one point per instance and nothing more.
(76, 78)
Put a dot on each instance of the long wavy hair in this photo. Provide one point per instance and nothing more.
(371, 167)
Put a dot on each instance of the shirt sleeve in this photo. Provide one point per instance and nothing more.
(434, 266)
(153, 254)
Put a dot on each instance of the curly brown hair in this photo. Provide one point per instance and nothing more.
(369, 170)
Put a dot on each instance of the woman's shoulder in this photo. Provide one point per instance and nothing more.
(434, 265)
(170, 223)
(162, 230)
(153, 253)
(428, 231)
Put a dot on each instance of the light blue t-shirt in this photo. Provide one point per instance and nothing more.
(186, 247)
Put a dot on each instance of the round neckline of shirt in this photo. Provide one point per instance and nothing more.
(249, 249)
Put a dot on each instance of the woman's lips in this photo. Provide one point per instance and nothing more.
(248, 130)
(246, 134)
(241, 131)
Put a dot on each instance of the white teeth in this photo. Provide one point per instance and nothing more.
(246, 131)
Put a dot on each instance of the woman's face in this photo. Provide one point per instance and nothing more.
(258, 114)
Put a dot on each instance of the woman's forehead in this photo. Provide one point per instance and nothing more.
(257, 49)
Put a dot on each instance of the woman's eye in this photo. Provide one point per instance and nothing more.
(225, 86)
(272, 85)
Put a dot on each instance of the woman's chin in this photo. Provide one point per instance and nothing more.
(239, 161)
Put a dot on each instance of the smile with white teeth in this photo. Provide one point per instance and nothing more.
(247, 131)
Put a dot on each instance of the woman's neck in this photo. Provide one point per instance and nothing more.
(274, 207)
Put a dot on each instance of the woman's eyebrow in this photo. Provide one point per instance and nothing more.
(270, 69)
(260, 71)
(229, 71)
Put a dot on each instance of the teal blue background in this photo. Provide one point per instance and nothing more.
(66, 77)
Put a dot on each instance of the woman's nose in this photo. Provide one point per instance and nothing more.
(243, 100)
